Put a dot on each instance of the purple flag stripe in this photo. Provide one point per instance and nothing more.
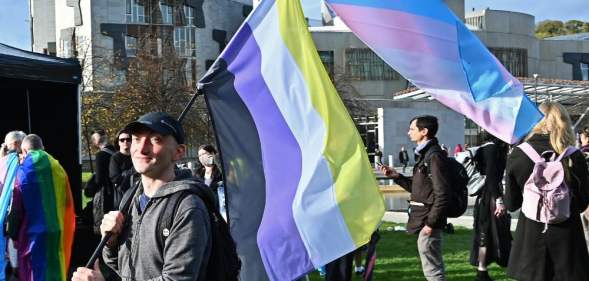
(281, 157)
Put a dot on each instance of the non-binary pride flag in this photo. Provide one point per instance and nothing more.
(43, 201)
(427, 44)
(301, 190)
(8, 167)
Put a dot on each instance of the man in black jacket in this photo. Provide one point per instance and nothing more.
(103, 201)
(430, 194)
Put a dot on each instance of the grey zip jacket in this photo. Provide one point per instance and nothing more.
(136, 256)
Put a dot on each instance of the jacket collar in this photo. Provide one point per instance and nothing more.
(425, 146)
(180, 183)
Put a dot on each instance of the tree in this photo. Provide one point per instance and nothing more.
(118, 91)
(549, 28)
(574, 26)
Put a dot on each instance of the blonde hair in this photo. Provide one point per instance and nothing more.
(557, 124)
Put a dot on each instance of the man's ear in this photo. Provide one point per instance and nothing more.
(179, 152)
(424, 132)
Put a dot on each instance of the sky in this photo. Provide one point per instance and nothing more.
(14, 24)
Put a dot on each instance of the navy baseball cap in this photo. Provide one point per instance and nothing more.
(159, 122)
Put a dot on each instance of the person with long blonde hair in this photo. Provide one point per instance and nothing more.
(540, 253)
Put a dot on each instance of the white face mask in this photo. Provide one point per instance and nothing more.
(206, 159)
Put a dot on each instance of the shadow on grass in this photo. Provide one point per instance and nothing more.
(397, 258)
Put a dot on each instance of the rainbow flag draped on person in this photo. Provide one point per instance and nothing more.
(44, 209)
(301, 190)
(427, 44)
(8, 168)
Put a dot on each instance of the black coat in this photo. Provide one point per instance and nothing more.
(217, 177)
(103, 156)
(403, 156)
(493, 232)
(429, 185)
(563, 244)
(120, 172)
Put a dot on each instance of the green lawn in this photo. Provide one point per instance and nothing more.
(85, 177)
(397, 258)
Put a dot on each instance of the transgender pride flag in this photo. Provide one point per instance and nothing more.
(8, 168)
(301, 190)
(427, 44)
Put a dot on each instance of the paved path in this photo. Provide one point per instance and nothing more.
(464, 221)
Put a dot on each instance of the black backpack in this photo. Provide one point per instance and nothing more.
(224, 264)
(458, 178)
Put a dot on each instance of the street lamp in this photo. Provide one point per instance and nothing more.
(536, 88)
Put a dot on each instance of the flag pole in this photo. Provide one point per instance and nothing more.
(189, 105)
(127, 202)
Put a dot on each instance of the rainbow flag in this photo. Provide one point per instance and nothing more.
(301, 190)
(43, 200)
(427, 44)
(8, 168)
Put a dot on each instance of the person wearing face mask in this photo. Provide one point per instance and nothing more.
(211, 175)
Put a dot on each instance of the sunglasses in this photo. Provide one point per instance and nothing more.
(125, 140)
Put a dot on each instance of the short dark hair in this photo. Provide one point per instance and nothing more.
(427, 122)
(123, 131)
(100, 132)
(208, 148)
(584, 132)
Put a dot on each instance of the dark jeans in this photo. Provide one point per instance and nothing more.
(340, 269)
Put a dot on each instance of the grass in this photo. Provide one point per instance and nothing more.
(397, 258)
(85, 177)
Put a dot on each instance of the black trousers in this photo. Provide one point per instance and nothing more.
(340, 269)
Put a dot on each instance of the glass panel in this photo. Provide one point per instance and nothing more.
(189, 15)
(515, 60)
(167, 13)
(363, 64)
(135, 12)
(327, 60)
(584, 71)
(130, 46)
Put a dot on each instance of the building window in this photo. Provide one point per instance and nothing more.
(585, 71)
(189, 15)
(65, 48)
(185, 41)
(130, 46)
(363, 64)
(514, 60)
(327, 60)
(476, 22)
(135, 12)
(167, 13)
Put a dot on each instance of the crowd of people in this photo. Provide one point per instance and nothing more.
(544, 176)
(40, 219)
(168, 231)
(144, 169)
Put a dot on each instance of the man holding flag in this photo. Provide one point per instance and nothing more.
(295, 165)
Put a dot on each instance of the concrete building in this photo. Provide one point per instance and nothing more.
(508, 35)
(43, 32)
(195, 30)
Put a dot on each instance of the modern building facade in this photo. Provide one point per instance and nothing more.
(115, 30)
(508, 35)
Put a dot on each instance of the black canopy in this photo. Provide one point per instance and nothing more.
(39, 94)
